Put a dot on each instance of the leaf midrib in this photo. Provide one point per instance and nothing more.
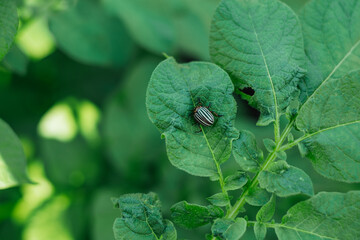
(267, 68)
(332, 72)
(298, 230)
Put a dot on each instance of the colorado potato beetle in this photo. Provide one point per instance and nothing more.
(204, 116)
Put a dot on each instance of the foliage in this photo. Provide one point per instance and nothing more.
(260, 45)
(66, 127)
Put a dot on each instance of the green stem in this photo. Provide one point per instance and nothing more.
(233, 212)
(218, 168)
(292, 144)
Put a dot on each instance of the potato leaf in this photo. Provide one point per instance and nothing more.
(285, 181)
(173, 93)
(12, 159)
(260, 231)
(141, 218)
(257, 197)
(246, 152)
(259, 43)
(9, 24)
(331, 39)
(88, 35)
(324, 216)
(192, 215)
(228, 229)
(267, 211)
(235, 181)
(330, 119)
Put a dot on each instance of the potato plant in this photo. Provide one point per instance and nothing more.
(302, 70)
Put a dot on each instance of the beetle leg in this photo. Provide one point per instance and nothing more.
(199, 102)
(208, 106)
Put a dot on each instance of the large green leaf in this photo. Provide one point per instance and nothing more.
(192, 215)
(141, 218)
(331, 39)
(172, 95)
(285, 180)
(324, 216)
(227, 229)
(8, 24)
(246, 152)
(167, 25)
(12, 159)
(148, 22)
(87, 34)
(331, 122)
(259, 43)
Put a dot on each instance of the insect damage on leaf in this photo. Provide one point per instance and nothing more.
(259, 43)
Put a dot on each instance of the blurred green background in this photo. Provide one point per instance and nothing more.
(73, 89)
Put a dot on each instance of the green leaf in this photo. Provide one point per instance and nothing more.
(129, 136)
(169, 232)
(16, 61)
(260, 231)
(281, 155)
(290, 138)
(259, 43)
(172, 95)
(12, 159)
(147, 21)
(285, 180)
(192, 215)
(269, 144)
(324, 216)
(9, 24)
(88, 35)
(219, 199)
(167, 25)
(330, 119)
(267, 211)
(235, 181)
(331, 39)
(246, 152)
(257, 197)
(227, 229)
(141, 218)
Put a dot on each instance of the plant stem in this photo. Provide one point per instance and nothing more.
(294, 143)
(233, 212)
(218, 168)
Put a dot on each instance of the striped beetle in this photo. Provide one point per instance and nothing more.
(203, 115)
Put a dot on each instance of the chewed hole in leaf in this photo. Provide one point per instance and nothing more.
(248, 91)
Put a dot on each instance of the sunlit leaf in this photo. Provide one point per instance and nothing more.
(12, 158)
